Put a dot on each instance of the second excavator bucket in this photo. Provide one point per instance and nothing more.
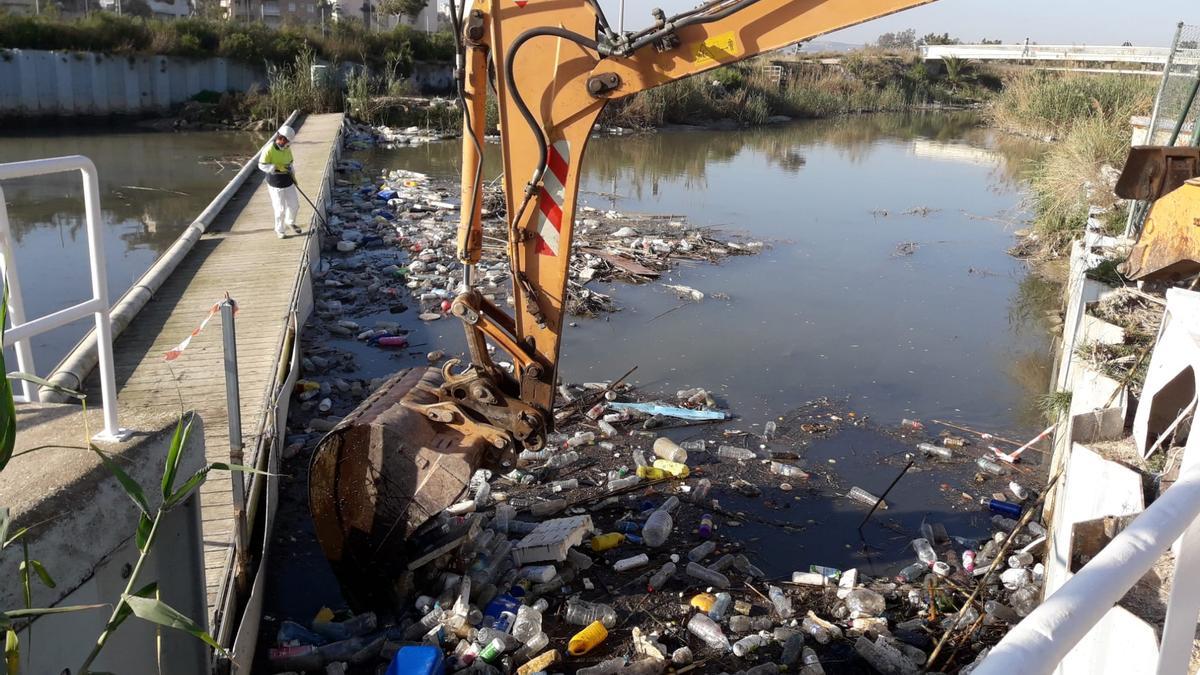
(1168, 248)
(378, 481)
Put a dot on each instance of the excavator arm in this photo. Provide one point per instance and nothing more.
(557, 64)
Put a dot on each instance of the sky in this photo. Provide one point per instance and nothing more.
(1097, 22)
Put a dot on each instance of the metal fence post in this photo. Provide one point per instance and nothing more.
(236, 448)
(1136, 209)
(16, 303)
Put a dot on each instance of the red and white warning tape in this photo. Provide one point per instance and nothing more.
(178, 350)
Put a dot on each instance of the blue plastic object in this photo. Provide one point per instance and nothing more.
(422, 660)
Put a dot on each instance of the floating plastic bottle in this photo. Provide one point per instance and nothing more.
(548, 508)
(667, 449)
(940, 568)
(622, 483)
(707, 576)
(693, 446)
(988, 466)
(740, 623)
(860, 495)
(864, 602)
(925, 552)
(597, 411)
(1020, 559)
(911, 424)
(700, 492)
(912, 573)
(720, 606)
(681, 656)
(587, 639)
(968, 561)
(604, 542)
(325, 405)
(809, 578)
(931, 450)
(722, 563)
(734, 452)
(670, 504)
(660, 577)
(1001, 611)
(581, 438)
(705, 529)
(789, 470)
(607, 667)
(564, 485)
(812, 662)
(1006, 509)
(657, 528)
(630, 563)
(1018, 490)
(816, 630)
(769, 430)
(581, 613)
(639, 458)
(707, 630)
(748, 644)
(606, 429)
(566, 458)
(792, 649)
(529, 621)
(1017, 578)
(539, 573)
(954, 442)
(701, 552)
(782, 603)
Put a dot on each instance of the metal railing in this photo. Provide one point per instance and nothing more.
(23, 329)
(1032, 52)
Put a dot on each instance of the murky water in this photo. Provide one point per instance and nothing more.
(152, 185)
(832, 308)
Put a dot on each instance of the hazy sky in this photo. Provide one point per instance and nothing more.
(1148, 22)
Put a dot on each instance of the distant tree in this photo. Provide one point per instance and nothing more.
(958, 71)
(409, 8)
(935, 39)
(986, 41)
(136, 8)
(905, 39)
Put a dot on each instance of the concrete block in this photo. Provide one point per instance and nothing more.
(1094, 329)
(1171, 376)
(1096, 414)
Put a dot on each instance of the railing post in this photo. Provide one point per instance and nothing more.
(16, 302)
(1137, 209)
(236, 449)
(108, 381)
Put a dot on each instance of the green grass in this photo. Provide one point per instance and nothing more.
(252, 43)
(1050, 104)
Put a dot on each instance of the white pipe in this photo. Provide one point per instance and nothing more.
(77, 364)
(1043, 639)
(16, 303)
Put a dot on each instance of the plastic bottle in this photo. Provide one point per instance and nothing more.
(988, 466)
(1001, 611)
(660, 577)
(587, 639)
(968, 561)
(581, 438)
(630, 563)
(608, 667)
(670, 504)
(733, 452)
(672, 469)
(954, 442)
(740, 623)
(1018, 490)
(693, 446)
(809, 578)
(606, 430)
(722, 563)
(742, 564)
(564, 485)
(860, 495)
(925, 552)
(720, 607)
(548, 508)
(748, 644)
(325, 405)
(911, 424)
(604, 542)
(700, 492)
(639, 458)
(783, 604)
(707, 576)
(940, 568)
(531, 457)
(706, 526)
(681, 656)
(707, 630)
(1020, 559)
(789, 470)
(769, 430)
(792, 649)
(864, 602)
(596, 411)
(622, 483)
(912, 573)
(300, 657)
(529, 621)
(657, 528)
(931, 450)
(650, 473)
(816, 630)
(1006, 509)
(812, 662)
(559, 461)
(581, 613)
(667, 449)
(701, 552)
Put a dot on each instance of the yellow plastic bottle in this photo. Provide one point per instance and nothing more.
(650, 473)
(703, 601)
(672, 469)
(603, 542)
(587, 639)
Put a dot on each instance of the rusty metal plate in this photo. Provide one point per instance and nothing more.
(1152, 171)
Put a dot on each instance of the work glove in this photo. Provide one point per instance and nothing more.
(290, 169)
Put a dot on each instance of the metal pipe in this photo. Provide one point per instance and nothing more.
(1135, 213)
(1043, 639)
(1191, 98)
(233, 405)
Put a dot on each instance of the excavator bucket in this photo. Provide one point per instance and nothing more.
(1152, 171)
(1168, 248)
(381, 475)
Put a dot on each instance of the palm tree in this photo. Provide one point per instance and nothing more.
(958, 70)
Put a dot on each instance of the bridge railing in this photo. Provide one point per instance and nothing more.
(1032, 52)
(22, 329)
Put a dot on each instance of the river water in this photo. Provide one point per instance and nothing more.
(152, 185)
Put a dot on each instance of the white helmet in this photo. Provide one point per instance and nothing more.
(287, 132)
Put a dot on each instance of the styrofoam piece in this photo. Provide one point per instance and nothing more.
(552, 539)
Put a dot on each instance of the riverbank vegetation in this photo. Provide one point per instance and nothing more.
(1087, 118)
(869, 80)
(248, 42)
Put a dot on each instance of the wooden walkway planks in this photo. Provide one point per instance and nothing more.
(241, 255)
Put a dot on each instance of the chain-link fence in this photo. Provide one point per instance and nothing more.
(1176, 115)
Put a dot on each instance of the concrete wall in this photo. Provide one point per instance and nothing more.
(34, 83)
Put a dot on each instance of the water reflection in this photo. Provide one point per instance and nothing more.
(151, 186)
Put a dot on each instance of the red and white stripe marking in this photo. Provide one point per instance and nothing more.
(550, 198)
(179, 349)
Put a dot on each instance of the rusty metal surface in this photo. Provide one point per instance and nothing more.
(378, 476)
(1169, 246)
(1152, 171)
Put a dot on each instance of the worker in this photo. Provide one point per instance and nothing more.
(276, 162)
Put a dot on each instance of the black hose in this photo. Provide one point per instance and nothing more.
(460, 89)
(675, 24)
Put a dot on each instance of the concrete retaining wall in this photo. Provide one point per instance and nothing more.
(53, 83)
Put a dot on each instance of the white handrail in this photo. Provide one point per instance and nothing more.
(23, 329)
(1040, 641)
